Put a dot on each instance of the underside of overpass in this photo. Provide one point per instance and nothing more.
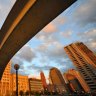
(24, 21)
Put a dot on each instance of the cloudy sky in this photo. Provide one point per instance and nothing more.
(46, 49)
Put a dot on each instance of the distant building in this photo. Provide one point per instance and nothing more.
(49, 79)
(35, 85)
(5, 86)
(85, 61)
(75, 81)
(23, 84)
(51, 88)
(43, 79)
(57, 80)
(8, 82)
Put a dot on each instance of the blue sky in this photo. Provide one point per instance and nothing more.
(46, 49)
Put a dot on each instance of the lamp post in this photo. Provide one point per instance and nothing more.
(16, 67)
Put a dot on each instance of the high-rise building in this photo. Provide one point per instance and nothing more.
(23, 84)
(51, 88)
(49, 79)
(75, 81)
(35, 85)
(5, 88)
(57, 80)
(43, 79)
(85, 61)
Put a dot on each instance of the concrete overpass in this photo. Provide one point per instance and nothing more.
(24, 21)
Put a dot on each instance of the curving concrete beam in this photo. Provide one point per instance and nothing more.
(23, 28)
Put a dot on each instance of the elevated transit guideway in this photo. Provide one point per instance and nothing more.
(24, 21)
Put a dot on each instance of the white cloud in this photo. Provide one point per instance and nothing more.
(26, 53)
(60, 20)
(66, 34)
(85, 13)
(50, 28)
(89, 38)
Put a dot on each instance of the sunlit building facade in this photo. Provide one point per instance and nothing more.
(43, 79)
(75, 81)
(85, 61)
(51, 88)
(5, 87)
(35, 85)
(57, 80)
(23, 84)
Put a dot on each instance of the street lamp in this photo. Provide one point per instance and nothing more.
(16, 67)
